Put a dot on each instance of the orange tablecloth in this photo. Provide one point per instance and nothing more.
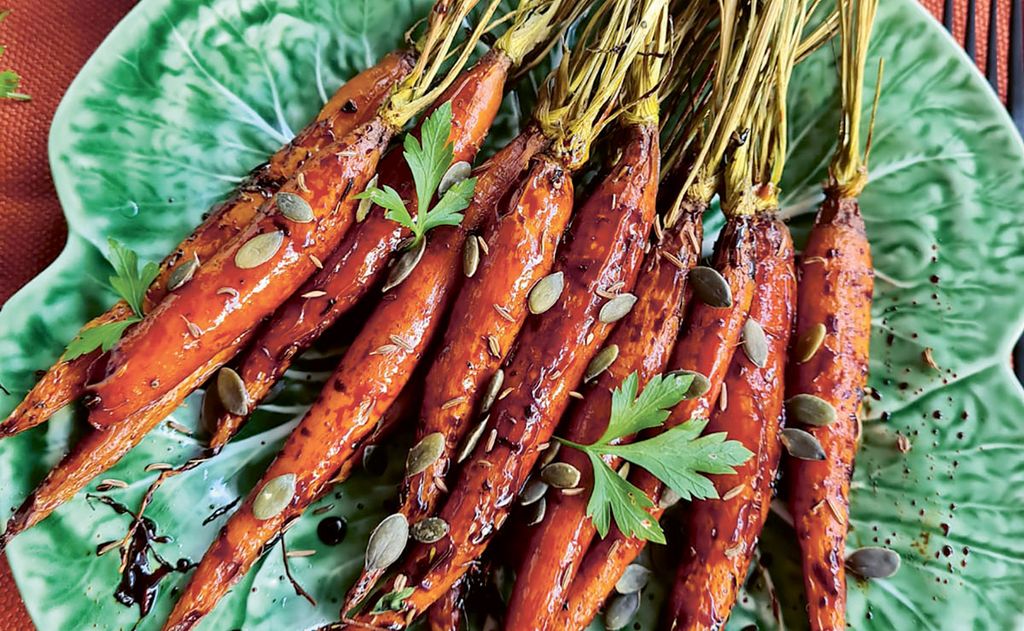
(47, 42)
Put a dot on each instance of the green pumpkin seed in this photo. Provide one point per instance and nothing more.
(698, 387)
(633, 579)
(533, 491)
(232, 393)
(616, 308)
(405, 265)
(710, 287)
(669, 498)
(424, 453)
(258, 250)
(363, 210)
(801, 444)
(183, 273)
(546, 292)
(387, 542)
(560, 475)
(491, 393)
(755, 343)
(548, 455)
(212, 408)
(621, 610)
(874, 562)
(295, 207)
(809, 343)
(535, 512)
(470, 257)
(605, 358)
(810, 410)
(429, 530)
(274, 497)
(469, 444)
(457, 172)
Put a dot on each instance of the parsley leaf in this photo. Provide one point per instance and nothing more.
(128, 281)
(103, 337)
(392, 601)
(10, 80)
(679, 457)
(429, 158)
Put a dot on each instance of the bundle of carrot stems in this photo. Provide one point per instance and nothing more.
(577, 367)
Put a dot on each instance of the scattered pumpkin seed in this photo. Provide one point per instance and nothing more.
(470, 257)
(183, 273)
(535, 512)
(616, 308)
(621, 610)
(548, 453)
(469, 444)
(258, 250)
(810, 410)
(457, 172)
(294, 207)
(424, 453)
(546, 292)
(801, 444)
(710, 287)
(668, 498)
(491, 393)
(274, 497)
(533, 491)
(755, 343)
(698, 387)
(363, 210)
(429, 530)
(560, 475)
(387, 542)
(604, 358)
(210, 413)
(809, 343)
(405, 265)
(231, 392)
(873, 562)
(633, 579)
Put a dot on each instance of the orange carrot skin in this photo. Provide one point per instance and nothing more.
(356, 265)
(721, 534)
(360, 390)
(645, 339)
(185, 331)
(605, 247)
(353, 103)
(836, 284)
(446, 613)
(706, 345)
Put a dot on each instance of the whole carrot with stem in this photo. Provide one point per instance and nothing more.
(829, 361)
(354, 103)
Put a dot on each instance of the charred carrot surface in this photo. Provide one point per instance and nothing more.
(721, 534)
(358, 262)
(354, 103)
(446, 613)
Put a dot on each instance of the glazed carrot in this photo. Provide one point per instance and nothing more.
(351, 105)
(721, 534)
(446, 613)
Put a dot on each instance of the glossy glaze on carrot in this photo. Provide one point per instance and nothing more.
(721, 534)
(836, 284)
(446, 613)
(645, 339)
(356, 264)
(706, 345)
(353, 103)
(604, 249)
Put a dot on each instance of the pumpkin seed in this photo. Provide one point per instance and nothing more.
(801, 444)
(274, 497)
(472, 439)
(605, 358)
(457, 172)
(809, 343)
(698, 387)
(387, 542)
(548, 454)
(211, 410)
(616, 308)
(429, 530)
(424, 453)
(258, 250)
(363, 210)
(560, 475)
(621, 610)
(295, 207)
(755, 343)
(405, 265)
(633, 579)
(533, 491)
(183, 273)
(493, 388)
(810, 410)
(668, 498)
(470, 257)
(546, 292)
(873, 562)
(231, 391)
(535, 512)
(711, 287)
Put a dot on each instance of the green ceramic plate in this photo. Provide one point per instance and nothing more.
(181, 100)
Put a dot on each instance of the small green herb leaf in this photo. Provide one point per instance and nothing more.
(103, 337)
(632, 413)
(392, 601)
(448, 210)
(614, 497)
(128, 281)
(10, 80)
(430, 159)
(389, 199)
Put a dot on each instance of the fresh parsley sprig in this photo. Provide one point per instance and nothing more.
(679, 457)
(428, 161)
(10, 80)
(130, 284)
(392, 601)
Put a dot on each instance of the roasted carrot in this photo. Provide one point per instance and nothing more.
(446, 613)
(721, 534)
(351, 105)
